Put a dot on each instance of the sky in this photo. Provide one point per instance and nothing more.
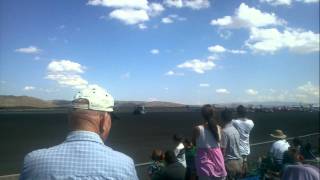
(185, 51)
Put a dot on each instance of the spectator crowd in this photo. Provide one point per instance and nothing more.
(218, 150)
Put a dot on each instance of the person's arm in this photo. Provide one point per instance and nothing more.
(195, 134)
(224, 142)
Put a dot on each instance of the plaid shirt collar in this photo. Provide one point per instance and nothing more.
(84, 136)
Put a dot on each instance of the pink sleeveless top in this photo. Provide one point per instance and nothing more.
(209, 158)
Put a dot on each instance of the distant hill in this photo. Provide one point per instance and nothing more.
(32, 102)
(23, 102)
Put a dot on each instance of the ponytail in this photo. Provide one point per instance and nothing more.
(208, 113)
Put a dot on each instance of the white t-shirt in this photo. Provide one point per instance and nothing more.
(244, 127)
(179, 151)
(278, 148)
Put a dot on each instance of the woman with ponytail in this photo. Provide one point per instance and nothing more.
(209, 158)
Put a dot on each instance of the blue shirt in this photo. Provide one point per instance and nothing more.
(82, 156)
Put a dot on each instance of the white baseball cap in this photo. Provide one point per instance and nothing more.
(98, 98)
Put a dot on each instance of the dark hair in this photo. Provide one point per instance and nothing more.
(187, 142)
(296, 142)
(226, 116)
(208, 113)
(178, 137)
(157, 155)
(242, 111)
(170, 157)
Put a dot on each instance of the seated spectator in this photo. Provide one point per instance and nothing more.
(157, 163)
(173, 169)
(307, 152)
(190, 151)
(297, 170)
(179, 150)
(230, 143)
(278, 148)
(297, 144)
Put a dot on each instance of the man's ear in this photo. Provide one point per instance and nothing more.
(102, 122)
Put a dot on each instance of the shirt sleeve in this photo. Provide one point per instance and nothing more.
(25, 168)
(224, 140)
(133, 172)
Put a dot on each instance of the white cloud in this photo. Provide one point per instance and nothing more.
(166, 20)
(154, 51)
(29, 50)
(251, 92)
(153, 99)
(139, 4)
(130, 12)
(197, 4)
(142, 26)
(29, 88)
(193, 4)
(65, 66)
(130, 16)
(247, 17)
(287, 2)
(221, 49)
(155, 9)
(225, 34)
(271, 40)
(197, 65)
(204, 85)
(216, 49)
(172, 18)
(174, 3)
(222, 91)
(73, 80)
(237, 51)
(308, 1)
(66, 73)
(173, 73)
(277, 2)
(309, 89)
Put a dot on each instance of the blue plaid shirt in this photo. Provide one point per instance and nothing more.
(82, 156)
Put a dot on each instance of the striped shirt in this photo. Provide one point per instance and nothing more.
(82, 155)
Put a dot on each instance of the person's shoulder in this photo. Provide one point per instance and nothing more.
(121, 156)
(35, 155)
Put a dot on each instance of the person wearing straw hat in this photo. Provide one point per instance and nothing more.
(83, 155)
(278, 147)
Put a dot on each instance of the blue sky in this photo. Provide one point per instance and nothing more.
(187, 51)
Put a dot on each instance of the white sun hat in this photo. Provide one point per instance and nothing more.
(96, 98)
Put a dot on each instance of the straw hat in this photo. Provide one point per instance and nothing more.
(278, 134)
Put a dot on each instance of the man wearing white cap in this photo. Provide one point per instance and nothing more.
(83, 154)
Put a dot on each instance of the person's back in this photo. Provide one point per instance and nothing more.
(301, 171)
(277, 150)
(230, 144)
(244, 127)
(82, 156)
(209, 158)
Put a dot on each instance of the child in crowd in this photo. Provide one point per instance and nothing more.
(190, 151)
(179, 150)
(157, 164)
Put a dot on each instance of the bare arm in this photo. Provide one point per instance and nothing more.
(195, 134)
